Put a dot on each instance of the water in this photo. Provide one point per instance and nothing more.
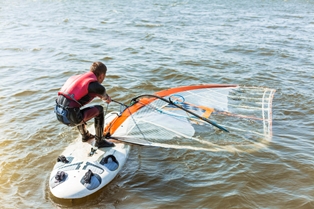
(149, 46)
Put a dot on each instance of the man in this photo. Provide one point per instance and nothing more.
(78, 91)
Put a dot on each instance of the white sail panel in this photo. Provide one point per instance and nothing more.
(172, 119)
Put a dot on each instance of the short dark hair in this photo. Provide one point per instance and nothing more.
(98, 68)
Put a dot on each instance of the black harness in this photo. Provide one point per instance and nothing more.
(67, 115)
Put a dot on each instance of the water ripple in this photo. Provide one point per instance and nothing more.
(147, 47)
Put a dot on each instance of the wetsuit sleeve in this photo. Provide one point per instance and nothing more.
(97, 88)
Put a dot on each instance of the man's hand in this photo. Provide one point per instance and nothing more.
(107, 99)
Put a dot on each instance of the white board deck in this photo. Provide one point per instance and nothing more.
(104, 163)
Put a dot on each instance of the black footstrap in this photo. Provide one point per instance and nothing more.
(105, 160)
(62, 159)
(87, 177)
(60, 176)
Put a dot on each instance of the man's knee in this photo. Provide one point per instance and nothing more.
(100, 109)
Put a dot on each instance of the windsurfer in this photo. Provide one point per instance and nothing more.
(78, 91)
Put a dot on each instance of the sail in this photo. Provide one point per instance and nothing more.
(210, 117)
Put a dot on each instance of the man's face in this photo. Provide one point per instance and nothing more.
(101, 77)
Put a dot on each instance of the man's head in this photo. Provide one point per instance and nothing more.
(100, 70)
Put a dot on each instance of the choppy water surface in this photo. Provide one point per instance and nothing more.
(149, 46)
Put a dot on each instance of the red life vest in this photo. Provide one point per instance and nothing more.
(76, 86)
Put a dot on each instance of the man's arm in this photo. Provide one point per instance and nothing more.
(100, 90)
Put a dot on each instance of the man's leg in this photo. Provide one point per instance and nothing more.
(97, 113)
(85, 133)
(76, 118)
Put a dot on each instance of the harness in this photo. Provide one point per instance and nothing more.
(67, 115)
(62, 114)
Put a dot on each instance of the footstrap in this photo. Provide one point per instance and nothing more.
(62, 159)
(87, 177)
